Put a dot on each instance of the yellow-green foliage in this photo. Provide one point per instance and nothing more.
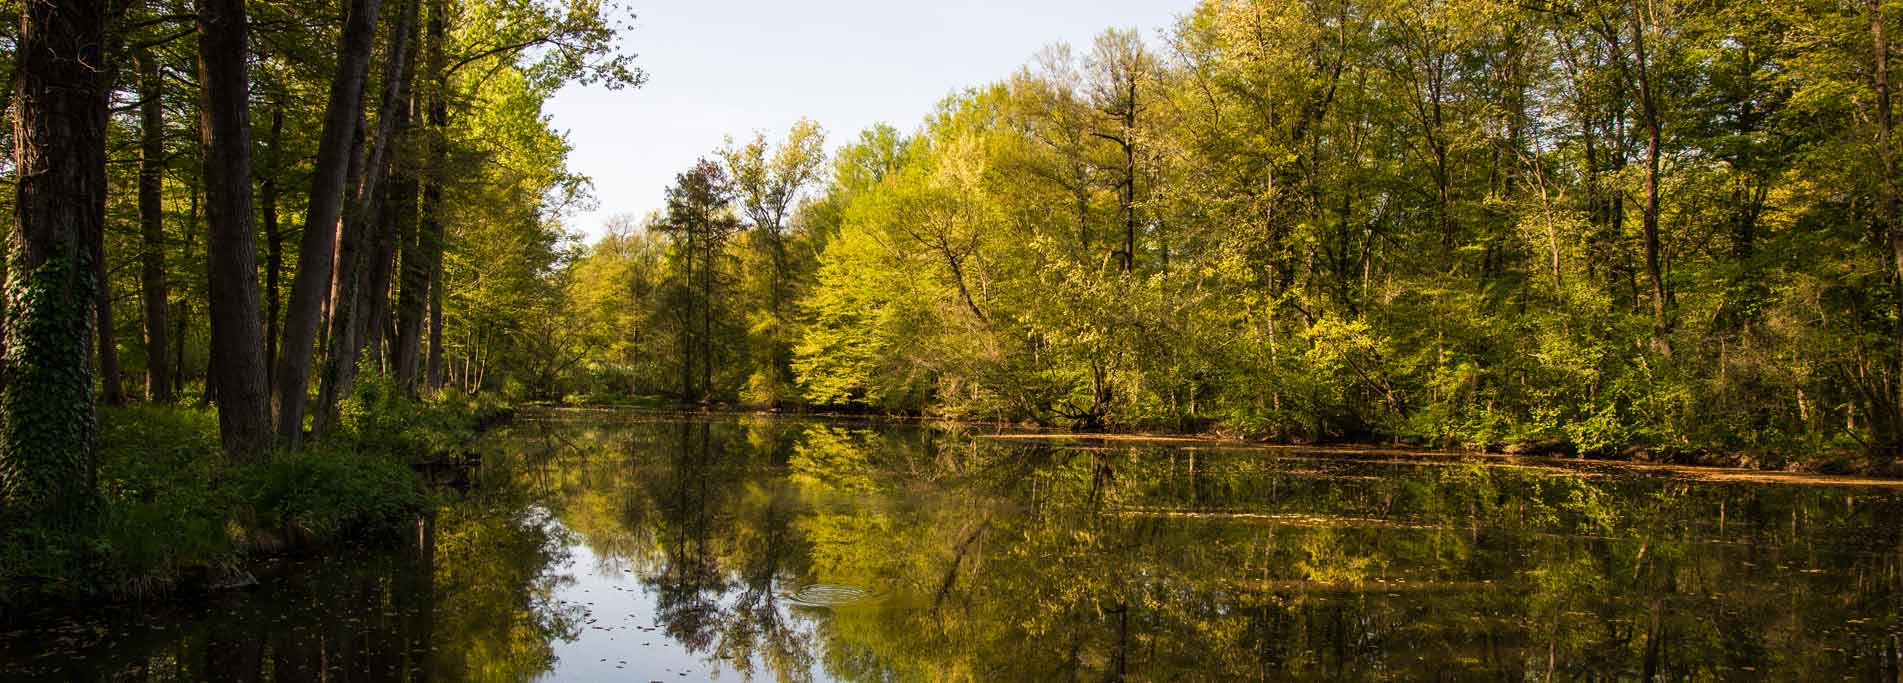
(1423, 222)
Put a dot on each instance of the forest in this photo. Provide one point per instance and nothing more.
(267, 252)
(276, 226)
(1660, 228)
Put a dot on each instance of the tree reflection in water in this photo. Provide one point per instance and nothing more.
(1086, 560)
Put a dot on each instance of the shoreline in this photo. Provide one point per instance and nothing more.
(1858, 470)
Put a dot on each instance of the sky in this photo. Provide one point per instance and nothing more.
(719, 68)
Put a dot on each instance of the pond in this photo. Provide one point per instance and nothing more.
(609, 546)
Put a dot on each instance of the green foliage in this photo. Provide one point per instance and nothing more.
(1418, 223)
(168, 501)
(332, 495)
(172, 508)
(164, 511)
(377, 419)
(152, 501)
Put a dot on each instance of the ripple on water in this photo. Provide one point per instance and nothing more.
(828, 595)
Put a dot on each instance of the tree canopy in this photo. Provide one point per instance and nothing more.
(1587, 226)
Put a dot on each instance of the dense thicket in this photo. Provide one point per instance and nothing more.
(279, 186)
(1589, 224)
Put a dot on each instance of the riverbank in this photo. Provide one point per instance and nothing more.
(174, 514)
(1840, 463)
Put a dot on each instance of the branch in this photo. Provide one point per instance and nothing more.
(485, 54)
(165, 40)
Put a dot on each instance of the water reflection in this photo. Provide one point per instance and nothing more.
(758, 549)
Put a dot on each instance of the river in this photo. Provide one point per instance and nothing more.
(610, 546)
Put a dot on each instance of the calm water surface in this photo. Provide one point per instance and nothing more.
(622, 547)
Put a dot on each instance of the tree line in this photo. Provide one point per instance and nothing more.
(258, 198)
(1564, 225)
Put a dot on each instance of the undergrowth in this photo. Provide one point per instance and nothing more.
(173, 511)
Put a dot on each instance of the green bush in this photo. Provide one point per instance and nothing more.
(322, 495)
(163, 513)
(166, 508)
(378, 419)
(172, 507)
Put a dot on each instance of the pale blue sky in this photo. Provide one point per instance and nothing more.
(728, 68)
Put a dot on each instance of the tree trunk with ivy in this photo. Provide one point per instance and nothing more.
(48, 431)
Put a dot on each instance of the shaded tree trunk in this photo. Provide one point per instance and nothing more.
(1648, 101)
(1130, 178)
(434, 365)
(181, 309)
(395, 235)
(48, 430)
(1892, 205)
(111, 382)
(424, 253)
(348, 262)
(273, 239)
(687, 326)
(360, 243)
(237, 334)
(112, 390)
(317, 247)
(158, 381)
(412, 305)
(707, 321)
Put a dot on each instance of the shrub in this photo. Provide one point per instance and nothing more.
(173, 507)
(378, 419)
(323, 495)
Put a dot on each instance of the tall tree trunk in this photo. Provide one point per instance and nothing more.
(358, 246)
(273, 238)
(158, 382)
(707, 318)
(317, 247)
(1648, 103)
(181, 312)
(687, 325)
(111, 382)
(422, 254)
(369, 322)
(398, 231)
(237, 334)
(181, 318)
(1892, 207)
(1130, 176)
(48, 431)
(412, 307)
(346, 264)
(433, 366)
(112, 390)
